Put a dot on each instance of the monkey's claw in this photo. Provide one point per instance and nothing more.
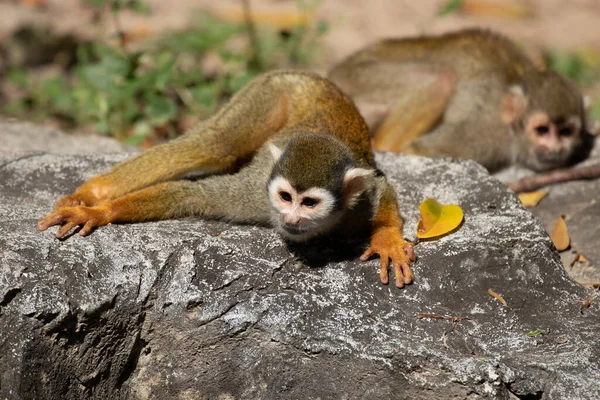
(389, 245)
(71, 217)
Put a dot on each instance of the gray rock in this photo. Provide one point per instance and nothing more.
(198, 309)
(578, 202)
(24, 137)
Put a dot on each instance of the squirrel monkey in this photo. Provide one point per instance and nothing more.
(310, 173)
(471, 94)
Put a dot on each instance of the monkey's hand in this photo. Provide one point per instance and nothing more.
(70, 217)
(389, 244)
(91, 193)
(77, 199)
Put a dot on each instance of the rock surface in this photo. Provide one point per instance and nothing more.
(24, 137)
(198, 309)
(578, 202)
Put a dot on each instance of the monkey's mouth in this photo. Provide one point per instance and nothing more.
(295, 229)
(549, 161)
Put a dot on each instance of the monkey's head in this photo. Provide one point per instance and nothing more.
(313, 182)
(550, 112)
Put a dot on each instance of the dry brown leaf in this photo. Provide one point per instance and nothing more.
(33, 3)
(498, 297)
(579, 258)
(563, 341)
(281, 18)
(586, 304)
(497, 8)
(531, 199)
(560, 235)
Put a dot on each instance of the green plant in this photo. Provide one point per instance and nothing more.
(574, 65)
(150, 91)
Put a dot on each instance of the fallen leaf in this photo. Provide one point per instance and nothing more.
(531, 199)
(535, 333)
(560, 235)
(281, 17)
(437, 219)
(563, 341)
(510, 9)
(498, 297)
(578, 259)
(586, 304)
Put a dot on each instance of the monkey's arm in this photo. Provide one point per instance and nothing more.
(387, 240)
(215, 197)
(257, 112)
(477, 142)
(158, 164)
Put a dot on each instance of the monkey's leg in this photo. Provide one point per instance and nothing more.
(214, 197)
(399, 101)
(387, 240)
(414, 115)
(236, 132)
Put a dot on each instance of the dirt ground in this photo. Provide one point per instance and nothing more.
(539, 24)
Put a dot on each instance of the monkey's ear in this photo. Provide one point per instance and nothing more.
(276, 152)
(355, 181)
(513, 105)
(587, 103)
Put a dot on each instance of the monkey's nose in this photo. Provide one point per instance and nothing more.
(293, 219)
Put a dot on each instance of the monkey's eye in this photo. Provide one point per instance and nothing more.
(565, 132)
(309, 202)
(285, 196)
(542, 129)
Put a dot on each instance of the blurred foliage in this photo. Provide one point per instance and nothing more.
(156, 91)
(450, 7)
(581, 67)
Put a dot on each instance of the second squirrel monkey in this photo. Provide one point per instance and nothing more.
(310, 173)
(472, 94)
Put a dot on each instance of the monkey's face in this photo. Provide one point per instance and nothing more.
(553, 142)
(312, 184)
(300, 215)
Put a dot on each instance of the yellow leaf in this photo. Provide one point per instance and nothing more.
(531, 199)
(560, 235)
(438, 219)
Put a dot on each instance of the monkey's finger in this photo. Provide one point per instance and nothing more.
(63, 230)
(50, 220)
(367, 254)
(410, 251)
(383, 271)
(398, 275)
(408, 274)
(87, 228)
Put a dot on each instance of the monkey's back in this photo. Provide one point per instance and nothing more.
(316, 105)
(467, 52)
